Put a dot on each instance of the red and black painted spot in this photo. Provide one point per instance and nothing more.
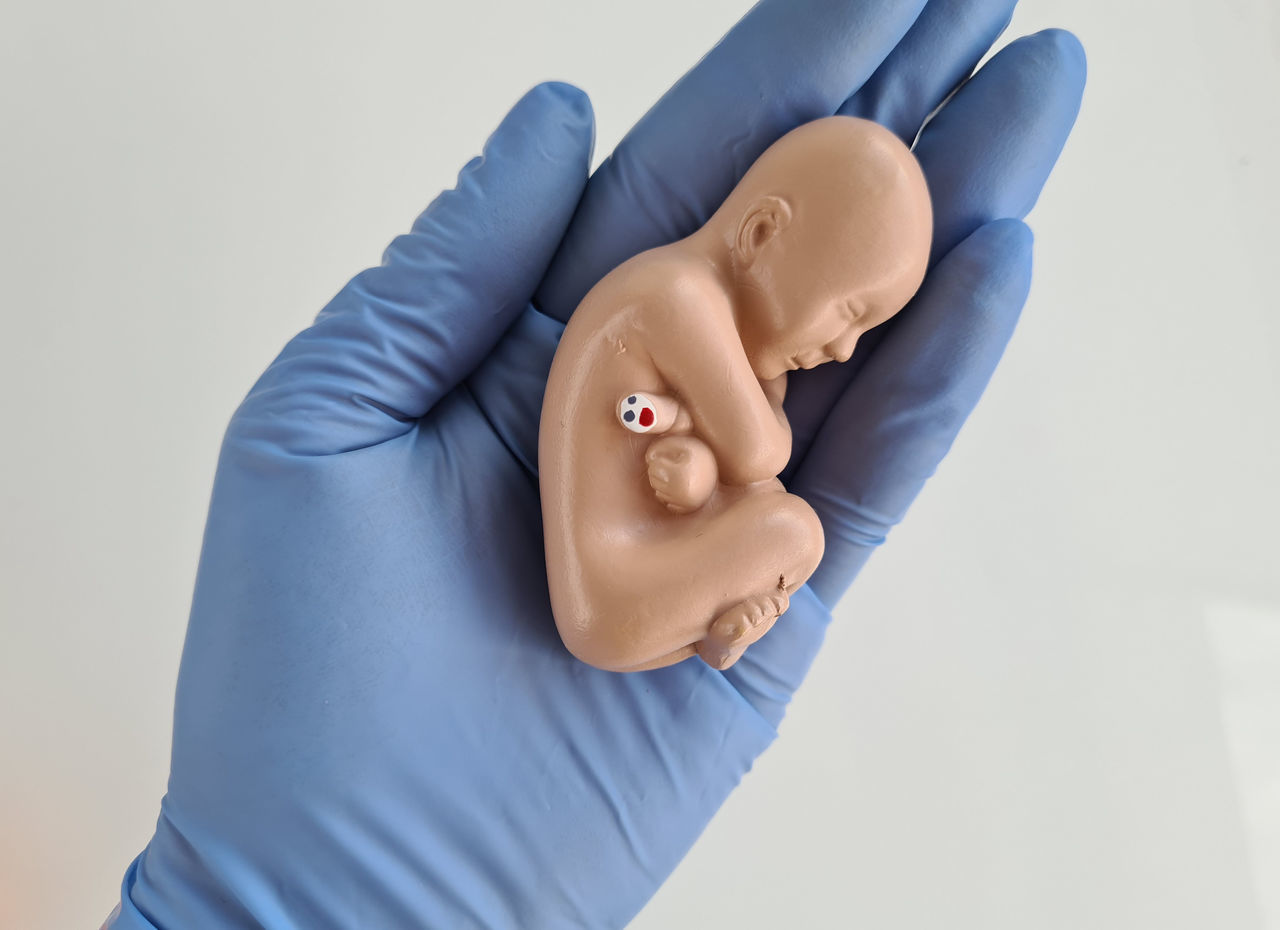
(637, 413)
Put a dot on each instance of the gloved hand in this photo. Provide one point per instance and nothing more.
(376, 723)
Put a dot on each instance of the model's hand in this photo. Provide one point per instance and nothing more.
(682, 471)
(376, 723)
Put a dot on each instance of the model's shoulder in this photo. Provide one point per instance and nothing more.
(666, 282)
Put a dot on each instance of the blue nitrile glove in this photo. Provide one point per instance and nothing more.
(377, 725)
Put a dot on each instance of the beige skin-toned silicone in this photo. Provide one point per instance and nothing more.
(665, 545)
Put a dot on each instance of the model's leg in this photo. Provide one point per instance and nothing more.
(654, 597)
(682, 472)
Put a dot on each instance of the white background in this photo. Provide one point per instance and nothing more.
(1046, 703)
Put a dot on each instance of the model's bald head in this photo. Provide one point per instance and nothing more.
(834, 215)
(837, 175)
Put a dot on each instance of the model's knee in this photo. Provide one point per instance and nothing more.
(799, 531)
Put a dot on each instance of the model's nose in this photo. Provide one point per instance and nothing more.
(843, 351)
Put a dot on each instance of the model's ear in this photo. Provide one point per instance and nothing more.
(766, 217)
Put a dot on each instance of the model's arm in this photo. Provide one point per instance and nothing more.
(699, 353)
(776, 392)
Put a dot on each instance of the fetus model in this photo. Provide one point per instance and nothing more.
(667, 531)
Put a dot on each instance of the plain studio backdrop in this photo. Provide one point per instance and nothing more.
(1050, 701)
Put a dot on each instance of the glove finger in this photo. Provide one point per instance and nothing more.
(891, 428)
(401, 335)
(785, 63)
(940, 50)
(989, 151)
(887, 435)
(986, 154)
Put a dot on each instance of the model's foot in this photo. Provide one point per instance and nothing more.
(740, 626)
